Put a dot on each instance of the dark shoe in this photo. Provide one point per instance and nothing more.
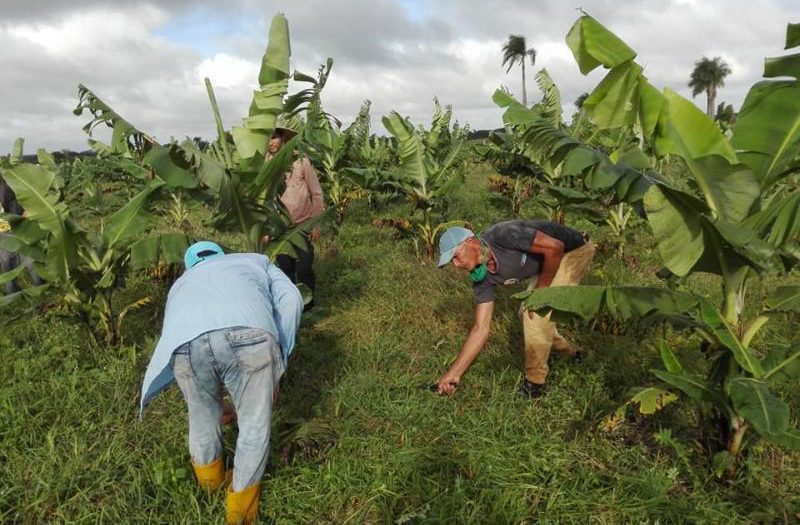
(530, 390)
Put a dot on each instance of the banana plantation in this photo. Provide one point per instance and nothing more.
(683, 410)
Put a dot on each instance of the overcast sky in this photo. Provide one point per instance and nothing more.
(148, 59)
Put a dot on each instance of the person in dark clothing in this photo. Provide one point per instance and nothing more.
(547, 253)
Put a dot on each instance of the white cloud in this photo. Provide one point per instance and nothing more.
(83, 32)
(227, 71)
(398, 59)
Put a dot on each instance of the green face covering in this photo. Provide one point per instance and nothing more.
(479, 273)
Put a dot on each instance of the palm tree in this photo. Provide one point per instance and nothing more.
(514, 51)
(708, 75)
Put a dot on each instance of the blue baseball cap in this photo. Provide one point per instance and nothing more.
(201, 251)
(450, 240)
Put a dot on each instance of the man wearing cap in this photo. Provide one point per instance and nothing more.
(547, 253)
(230, 321)
(304, 200)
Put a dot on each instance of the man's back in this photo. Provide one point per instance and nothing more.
(235, 290)
(231, 290)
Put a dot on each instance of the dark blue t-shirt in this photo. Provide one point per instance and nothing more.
(510, 242)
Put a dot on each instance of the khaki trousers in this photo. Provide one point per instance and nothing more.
(541, 335)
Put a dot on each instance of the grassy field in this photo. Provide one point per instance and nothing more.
(356, 437)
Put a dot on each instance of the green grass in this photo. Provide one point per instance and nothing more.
(72, 449)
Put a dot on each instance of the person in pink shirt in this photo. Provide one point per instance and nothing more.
(304, 200)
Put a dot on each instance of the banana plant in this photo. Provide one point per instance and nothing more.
(442, 137)
(326, 144)
(127, 141)
(735, 226)
(85, 267)
(246, 184)
(560, 190)
(618, 218)
(517, 175)
(357, 134)
(341, 190)
(367, 160)
(423, 178)
(234, 170)
(138, 155)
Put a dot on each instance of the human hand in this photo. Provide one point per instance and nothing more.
(314, 235)
(265, 239)
(447, 383)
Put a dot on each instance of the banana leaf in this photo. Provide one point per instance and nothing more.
(782, 363)
(614, 103)
(551, 96)
(206, 169)
(126, 139)
(10, 275)
(778, 223)
(170, 167)
(785, 299)
(674, 217)
(621, 302)
(753, 400)
(166, 247)
(544, 143)
(730, 189)
(35, 189)
(16, 152)
(594, 45)
(32, 292)
(792, 36)
(128, 221)
(690, 384)
(567, 195)
(252, 137)
(767, 132)
(727, 337)
(410, 150)
(294, 238)
(670, 360)
(272, 171)
(789, 439)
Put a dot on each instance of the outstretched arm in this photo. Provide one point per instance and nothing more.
(552, 251)
(476, 340)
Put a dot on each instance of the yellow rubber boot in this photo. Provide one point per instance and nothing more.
(241, 507)
(211, 476)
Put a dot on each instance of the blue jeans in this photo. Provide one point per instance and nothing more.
(248, 363)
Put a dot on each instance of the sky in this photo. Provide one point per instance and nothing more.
(148, 59)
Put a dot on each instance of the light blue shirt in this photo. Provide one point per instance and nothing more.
(240, 289)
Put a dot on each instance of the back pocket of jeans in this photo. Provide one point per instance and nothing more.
(250, 346)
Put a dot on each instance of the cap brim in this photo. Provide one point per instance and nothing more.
(446, 257)
(289, 133)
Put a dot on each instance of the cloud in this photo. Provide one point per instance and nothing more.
(148, 59)
(48, 11)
